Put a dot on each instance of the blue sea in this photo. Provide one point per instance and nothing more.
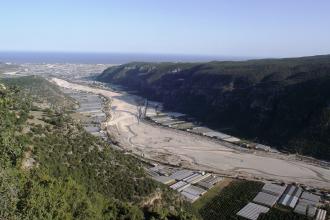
(103, 58)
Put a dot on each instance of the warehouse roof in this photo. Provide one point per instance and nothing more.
(290, 190)
(194, 190)
(321, 214)
(291, 196)
(209, 181)
(178, 185)
(189, 197)
(310, 197)
(183, 187)
(164, 179)
(273, 189)
(265, 199)
(216, 134)
(191, 177)
(181, 174)
(305, 208)
(252, 211)
(198, 178)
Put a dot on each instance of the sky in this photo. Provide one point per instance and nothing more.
(249, 28)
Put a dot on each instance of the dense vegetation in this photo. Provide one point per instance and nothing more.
(230, 200)
(281, 102)
(50, 168)
(42, 92)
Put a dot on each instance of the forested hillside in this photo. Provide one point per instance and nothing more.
(281, 102)
(50, 168)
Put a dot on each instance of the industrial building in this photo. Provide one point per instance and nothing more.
(196, 178)
(321, 214)
(209, 182)
(311, 198)
(194, 190)
(179, 185)
(189, 197)
(291, 196)
(273, 189)
(265, 199)
(252, 211)
(304, 208)
(307, 204)
(191, 184)
(192, 193)
(181, 174)
(269, 195)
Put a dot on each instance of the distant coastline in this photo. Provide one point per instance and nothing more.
(103, 58)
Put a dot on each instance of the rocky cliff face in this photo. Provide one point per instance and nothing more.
(283, 102)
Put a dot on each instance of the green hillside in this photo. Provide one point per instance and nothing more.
(50, 168)
(281, 102)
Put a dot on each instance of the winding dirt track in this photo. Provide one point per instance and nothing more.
(182, 148)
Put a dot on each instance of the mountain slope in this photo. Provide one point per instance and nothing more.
(282, 102)
(51, 168)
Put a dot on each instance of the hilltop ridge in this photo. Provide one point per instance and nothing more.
(281, 102)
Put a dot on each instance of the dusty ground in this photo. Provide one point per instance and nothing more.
(182, 148)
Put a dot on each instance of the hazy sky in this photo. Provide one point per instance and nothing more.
(255, 28)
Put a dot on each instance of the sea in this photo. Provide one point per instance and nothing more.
(103, 58)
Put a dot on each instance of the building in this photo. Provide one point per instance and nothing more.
(252, 211)
(179, 186)
(181, 174)
(269, 195)
(304, 208)
(209, 181)
(273, 189)
(164, 179)
(321, 214)
(290, 196)
(192, 193)
(307, 204)
(265, 199)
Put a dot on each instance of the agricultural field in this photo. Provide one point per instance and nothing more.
(211, 194)
(230, 200)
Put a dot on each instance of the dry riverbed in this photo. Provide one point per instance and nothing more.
(194, 151)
